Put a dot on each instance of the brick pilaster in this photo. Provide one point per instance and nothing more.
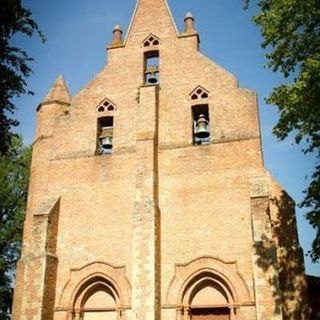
(145, 281)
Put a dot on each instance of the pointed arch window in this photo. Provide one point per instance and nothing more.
(151, 60)
(151, 40)
(200, 116)
(199, 93)
(105, 126)
(106, 105)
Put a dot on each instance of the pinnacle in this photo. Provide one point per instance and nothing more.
(189, 15)
(58, 92)
(117, 27)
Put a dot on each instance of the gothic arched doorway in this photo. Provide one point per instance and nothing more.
(208, 301)
(97, 299)
(208, 297)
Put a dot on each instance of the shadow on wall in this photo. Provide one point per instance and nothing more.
(314, 296)
(283, 254)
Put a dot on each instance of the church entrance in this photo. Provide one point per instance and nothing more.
(100, 305)
(207, 297)
(101, 315)
(97, 299)
(210, 314)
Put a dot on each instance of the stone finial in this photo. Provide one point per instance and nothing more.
(189, 23)
(117, 35)
(59, 92)
(189, 15)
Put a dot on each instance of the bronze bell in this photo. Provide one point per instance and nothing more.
(106, 143)
(152, 79)
(201, 130)
(105, 138)
(153, 72)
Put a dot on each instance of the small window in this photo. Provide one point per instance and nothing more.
(106, 105)
(105, 135)
(151, 68)
(199, 93)
(201, 124)
(151, 40)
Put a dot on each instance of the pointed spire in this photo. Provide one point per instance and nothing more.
(59, 92)
(152, 16)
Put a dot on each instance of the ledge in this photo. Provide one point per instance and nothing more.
(165, 146)
(115, 46)
(189, 35)
(68, 104)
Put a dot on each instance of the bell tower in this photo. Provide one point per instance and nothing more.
(149, 199)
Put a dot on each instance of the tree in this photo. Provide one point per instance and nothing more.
(14, 179)
(291, 35)
(14, 69)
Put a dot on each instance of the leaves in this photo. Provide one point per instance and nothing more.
(291, 33)
(14, 179)
(312, 200)
(14, 61)
(14, 158)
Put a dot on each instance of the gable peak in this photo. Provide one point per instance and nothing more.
(152, 16)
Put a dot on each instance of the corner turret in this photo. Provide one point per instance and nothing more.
(55, 104)
(58, 94)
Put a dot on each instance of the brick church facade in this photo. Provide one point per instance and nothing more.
(149, 198)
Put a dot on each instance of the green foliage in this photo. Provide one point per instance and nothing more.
(14, 61)
(291, 33)
(14, 179)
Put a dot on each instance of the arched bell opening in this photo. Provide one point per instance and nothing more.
(201, 124)
(105, 135)
(152, 67)
(97, 299)
(208, 297)
(105, 125)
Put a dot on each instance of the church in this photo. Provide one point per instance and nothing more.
(148, 197)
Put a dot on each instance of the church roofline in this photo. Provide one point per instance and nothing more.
(135, 13)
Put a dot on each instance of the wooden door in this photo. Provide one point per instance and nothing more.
(211, 314)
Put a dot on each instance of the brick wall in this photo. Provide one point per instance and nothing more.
(158, 201)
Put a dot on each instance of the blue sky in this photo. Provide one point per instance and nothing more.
(78, 31)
